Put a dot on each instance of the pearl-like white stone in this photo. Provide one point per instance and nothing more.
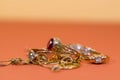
(98, 60)
(76, 47)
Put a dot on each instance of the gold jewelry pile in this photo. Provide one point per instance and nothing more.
(58, 56)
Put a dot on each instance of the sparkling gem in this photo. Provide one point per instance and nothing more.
(32, 55)
(98, 60)
(50, 43)
(83, 50)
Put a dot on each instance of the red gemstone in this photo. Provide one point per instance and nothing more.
(50, 44)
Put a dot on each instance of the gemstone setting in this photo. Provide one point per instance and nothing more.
(98, 60)
(76, 47)
(81, 49)
(85, 51)
(52, 42)
(32, 56)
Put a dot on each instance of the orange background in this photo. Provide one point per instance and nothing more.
(17, 37)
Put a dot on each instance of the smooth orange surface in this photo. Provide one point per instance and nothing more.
(17, 38)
